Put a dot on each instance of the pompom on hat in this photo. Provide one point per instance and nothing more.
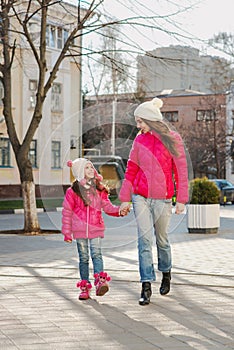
(78, 170)
(150, 110)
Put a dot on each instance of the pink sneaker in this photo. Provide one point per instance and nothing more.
(85, 287)
(101, 284)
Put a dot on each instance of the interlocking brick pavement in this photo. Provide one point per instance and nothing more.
(39, 309)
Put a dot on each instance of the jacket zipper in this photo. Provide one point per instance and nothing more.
(87, 224)
(154, 155)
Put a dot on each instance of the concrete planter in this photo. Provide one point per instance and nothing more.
(203, 218)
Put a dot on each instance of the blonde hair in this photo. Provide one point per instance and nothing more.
(164, 132)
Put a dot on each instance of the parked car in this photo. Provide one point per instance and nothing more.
(112, 169)
(226, 190)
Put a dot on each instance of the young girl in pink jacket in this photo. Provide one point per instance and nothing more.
(82, 221)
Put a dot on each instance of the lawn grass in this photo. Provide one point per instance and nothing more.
(48, 203)
(41, 203)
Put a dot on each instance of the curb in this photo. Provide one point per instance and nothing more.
(21, 211)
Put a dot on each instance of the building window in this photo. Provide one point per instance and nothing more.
(59, 38)
(232, 122)
(56, 36)
(4, 152)
(33, 91)
(56, 155)
(1, 92)
(32, 154)
(205, 115)
(171, 116)
(65, 36)
(232, 165)
(56, 97)
(232, 156)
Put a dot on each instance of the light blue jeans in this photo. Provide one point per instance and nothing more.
(83, 246)
(152, 217)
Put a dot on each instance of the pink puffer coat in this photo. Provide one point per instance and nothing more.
(80, 221)
(151, 168)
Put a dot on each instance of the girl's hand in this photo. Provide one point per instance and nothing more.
(124, 212)
(124, 208)
(67, 239)
(179, 208)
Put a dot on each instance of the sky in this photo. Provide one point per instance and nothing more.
(206, 18)
(203, 20)
(199, 21)
(210, 17)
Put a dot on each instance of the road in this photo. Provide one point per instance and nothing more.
(52, 221)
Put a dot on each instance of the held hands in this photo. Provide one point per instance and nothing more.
(179, 208)
(67, 239)
(124, 208)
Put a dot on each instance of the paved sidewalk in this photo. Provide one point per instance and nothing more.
(39, 309)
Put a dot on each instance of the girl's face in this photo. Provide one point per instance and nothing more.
(142, 125)
(89, 171)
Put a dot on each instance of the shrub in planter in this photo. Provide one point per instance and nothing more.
(203, 211)
(204, 191)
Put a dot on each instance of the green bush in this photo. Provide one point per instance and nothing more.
(204, 191)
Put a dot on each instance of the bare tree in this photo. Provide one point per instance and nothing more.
(206, 139)
(223, 42)
(116, 66)
(15, 19)
(110, 71)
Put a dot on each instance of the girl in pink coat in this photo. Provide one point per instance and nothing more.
(156, 170)
(82, 221)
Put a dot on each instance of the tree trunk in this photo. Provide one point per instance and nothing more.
(31, 223)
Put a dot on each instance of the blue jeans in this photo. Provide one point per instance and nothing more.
(152, 216)
(83, 246)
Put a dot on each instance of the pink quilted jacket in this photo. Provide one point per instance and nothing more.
(80, 221)
(151, 167)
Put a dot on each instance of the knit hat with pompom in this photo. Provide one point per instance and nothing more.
(78, 169)
(150, 110)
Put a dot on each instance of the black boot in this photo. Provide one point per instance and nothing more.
(146, 293)
(165, 285)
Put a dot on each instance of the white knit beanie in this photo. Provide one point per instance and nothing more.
(150, 110)
(78, 167)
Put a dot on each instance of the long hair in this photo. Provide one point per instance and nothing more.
(167, 138)
(82, 192)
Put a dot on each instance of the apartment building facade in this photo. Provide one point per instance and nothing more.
(182, 67)
(60, 125)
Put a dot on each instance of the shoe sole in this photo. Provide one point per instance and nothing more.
(84, 298)
(162, 292)
(102, 290)
(144, 302)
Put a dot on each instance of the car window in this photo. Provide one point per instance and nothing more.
(222, 183)
(226, 183)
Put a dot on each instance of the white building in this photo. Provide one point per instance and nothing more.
(60, 124)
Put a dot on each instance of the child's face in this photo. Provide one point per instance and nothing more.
(89, 171)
